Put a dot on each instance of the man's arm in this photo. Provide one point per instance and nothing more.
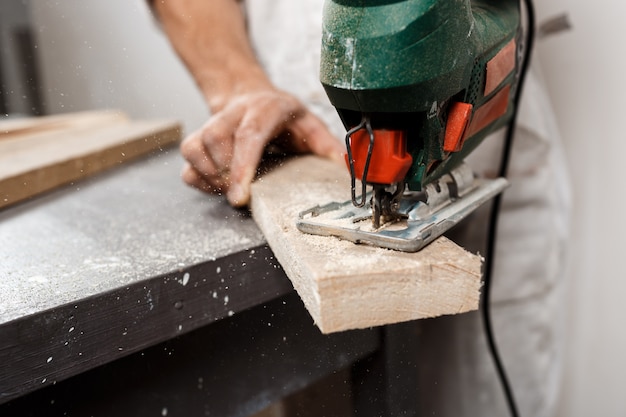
(247, 110)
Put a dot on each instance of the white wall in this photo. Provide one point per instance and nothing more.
(585, 70)
(12, 16)
(110, 54)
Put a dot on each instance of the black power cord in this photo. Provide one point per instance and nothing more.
(495, 212)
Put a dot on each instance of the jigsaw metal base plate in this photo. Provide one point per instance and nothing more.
(423, 216)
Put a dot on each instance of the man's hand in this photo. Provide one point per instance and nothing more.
(248, 112)
(224, 154)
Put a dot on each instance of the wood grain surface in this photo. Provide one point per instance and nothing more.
(21, 127)
(39, 154)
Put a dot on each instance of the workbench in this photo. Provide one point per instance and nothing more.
(130, 294)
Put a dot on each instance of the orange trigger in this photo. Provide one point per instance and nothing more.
(459, 115)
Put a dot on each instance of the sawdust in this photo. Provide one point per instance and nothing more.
(330, 183)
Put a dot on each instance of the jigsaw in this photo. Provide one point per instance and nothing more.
(418, 84)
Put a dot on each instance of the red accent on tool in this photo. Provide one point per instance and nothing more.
(490, 111)
(499, 67)
(389, 161)
(459, 115)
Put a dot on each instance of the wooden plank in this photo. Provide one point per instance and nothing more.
(39, 159)
(347, 286)
(20, 127)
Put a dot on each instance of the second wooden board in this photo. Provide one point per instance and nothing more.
(37, 161)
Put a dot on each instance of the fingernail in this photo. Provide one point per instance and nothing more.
(238, 195)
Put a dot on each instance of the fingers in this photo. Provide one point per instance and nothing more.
(258, 127)
(210, 149)
(312, 135)
(197, 155)
(193, 178)
(208, 152)
(224, 154)
(217, 136)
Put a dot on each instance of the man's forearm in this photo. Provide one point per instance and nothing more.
(210, 37)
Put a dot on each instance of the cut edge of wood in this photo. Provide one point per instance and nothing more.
(420, 296)
(296, 271)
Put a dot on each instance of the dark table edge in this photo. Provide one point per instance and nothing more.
(55, 344)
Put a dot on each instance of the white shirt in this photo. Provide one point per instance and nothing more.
(286, 36)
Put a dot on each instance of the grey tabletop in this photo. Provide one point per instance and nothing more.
(121, 227)
(119, 262)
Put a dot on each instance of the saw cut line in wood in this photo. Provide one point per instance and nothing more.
(349, 286)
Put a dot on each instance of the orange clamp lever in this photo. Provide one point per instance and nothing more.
(389, 161)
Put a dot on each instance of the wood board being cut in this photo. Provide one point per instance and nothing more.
(41, 153)
(348, 286)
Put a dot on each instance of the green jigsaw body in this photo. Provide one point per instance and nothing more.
(403, 63)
